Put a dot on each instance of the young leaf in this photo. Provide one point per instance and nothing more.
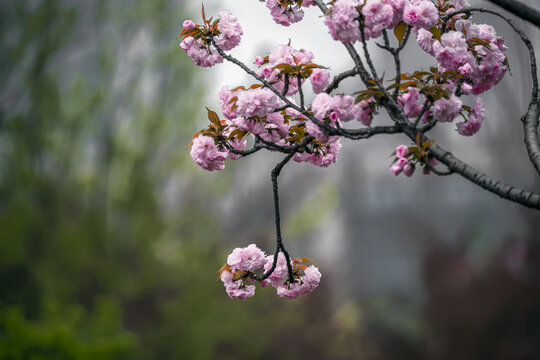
(223, 268)
(400, 31)
(436, 32)
(213, 117)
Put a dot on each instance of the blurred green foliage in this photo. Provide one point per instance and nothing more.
(97, 108)
(108, 249)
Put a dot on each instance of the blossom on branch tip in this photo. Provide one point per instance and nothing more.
(236, 289)
(231, 32)
(284, 15)
(319, 80)
(306, 284)
(256, 102)
(250, 258)
(237, 276)
(196, 43)
(408, 169)
(206, 153)
(342, 22)
(402, 151)
(473, 124)
(420, 14)
(378, 16)
(446, 110)
(364, 111)
(188, 25)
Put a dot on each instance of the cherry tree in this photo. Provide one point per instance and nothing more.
(272, 113)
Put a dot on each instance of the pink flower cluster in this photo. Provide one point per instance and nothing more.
(231, 32)
(343, 21)
(204, 54)
(319, 80)
(446, 110)
(421, 14)
(334, 109)
(473, 124)
(409, 102)
(402, 165)
(406, 161)
(210, 156)
(207, 155)
(285, 54)
(245, 261)
(256, 102)
(287, 12)
(279, 278)
(324, 155)
(481, 63)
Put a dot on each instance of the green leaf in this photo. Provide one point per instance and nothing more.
(400, 31)
(436, 32)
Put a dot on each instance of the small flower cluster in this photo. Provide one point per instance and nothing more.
(473, 123)
(252, 111)
(446, 105)
(289, 68)
(346, 25)
(242, 263)
(196, 41)
(472, 50)
(287, 12)
(408, 157)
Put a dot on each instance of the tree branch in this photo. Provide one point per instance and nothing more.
(279, 241)
(498, 188)
(339, 78)
(520, 9)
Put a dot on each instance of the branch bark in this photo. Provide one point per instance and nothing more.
(519, 9)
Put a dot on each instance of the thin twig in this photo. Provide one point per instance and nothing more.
(339, 78)
(300, 92)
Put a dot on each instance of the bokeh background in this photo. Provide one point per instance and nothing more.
(110, 237)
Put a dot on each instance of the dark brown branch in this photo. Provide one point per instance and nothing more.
(422, 112)
(300, 92)
(498, 188)
(439, 172)
(279, 241)
(286, 149)
(286, 87)
(520, 9)
(366, 52)
(254, 149)
(339, 78)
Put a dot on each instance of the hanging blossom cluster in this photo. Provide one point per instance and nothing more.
(287, 12)
(274, 113)
(290, 279)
